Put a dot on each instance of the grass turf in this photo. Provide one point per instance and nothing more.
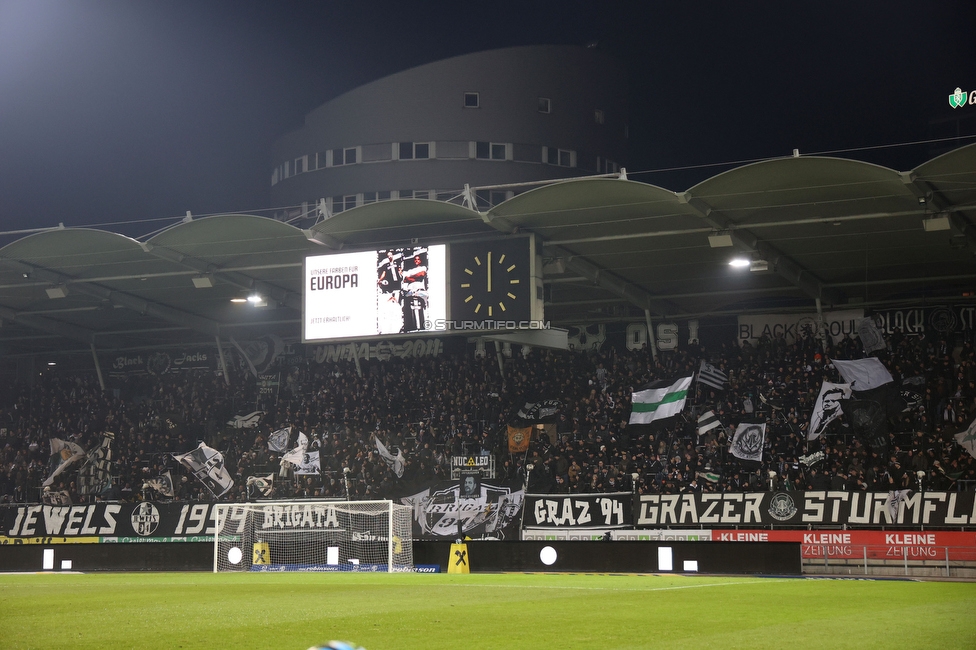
(407, 611)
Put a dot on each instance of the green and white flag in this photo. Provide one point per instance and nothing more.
(967, 439)
(662, 400)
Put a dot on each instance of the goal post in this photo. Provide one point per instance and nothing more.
(313, 535)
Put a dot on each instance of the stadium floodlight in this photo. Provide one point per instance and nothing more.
(936, 223)
(313, 535)
(739, 263)
(203, 282)
(60, 291)
(720, 239)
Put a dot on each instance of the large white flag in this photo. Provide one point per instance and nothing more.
(863, 374)
(310, 464)
(68, 452)
(395, 463)
(747, 443)
(297, 455)
(662, 400)
(207, 466)
(827, 409)
(893, 504)
(967, 439)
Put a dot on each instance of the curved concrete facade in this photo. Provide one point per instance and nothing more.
(497, 117)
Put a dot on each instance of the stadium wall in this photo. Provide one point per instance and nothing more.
(771, 558)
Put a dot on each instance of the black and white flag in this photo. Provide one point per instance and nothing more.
(827, 408)
(162, 484)
(278, 440)
(747, 444)
(708, 421)
(297, 455)
(712, 376)
(66, 453)
(395, 463)
(248, 421)
(207, 466)
(51, 497)
(95, 475)
(263, 485)
(870, 335)
(893, 504)
(540, 412)
(310, 464)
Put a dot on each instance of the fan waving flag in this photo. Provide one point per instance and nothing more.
(95, 476)
(395, 463)
(67, 453)
(708, 421)
(296, 455)
(661, 400)
(712, 376)
(262, 485)
(207, 466)
(162, 484)
(863, 374)
(747, 444)
(828, 408)
(278, 440)
(518, 439)
(967, 439)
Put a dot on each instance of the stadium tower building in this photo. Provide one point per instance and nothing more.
(491, 121)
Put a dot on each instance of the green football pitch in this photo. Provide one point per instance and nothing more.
(413, 611)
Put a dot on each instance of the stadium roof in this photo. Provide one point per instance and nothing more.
(843, 232)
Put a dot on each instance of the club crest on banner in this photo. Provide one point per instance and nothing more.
(782, 507)
(145, 519)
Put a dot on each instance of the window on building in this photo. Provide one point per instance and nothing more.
(604, 166)
(343, 203)
(285, 169)
(487, 199)
(321, 160)
(491, 150)
(414, 150)
(344, 156)
(472, 100)
(373, 197)
(560, 157)
(598, 116)
(545, 106)
(300, 165)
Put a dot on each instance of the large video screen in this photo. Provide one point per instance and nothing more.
(370, 293)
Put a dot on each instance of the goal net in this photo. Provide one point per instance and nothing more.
(313, 536)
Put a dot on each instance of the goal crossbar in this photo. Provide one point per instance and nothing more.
(313, 535)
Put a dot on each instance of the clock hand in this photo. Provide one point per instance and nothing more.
(489, 271)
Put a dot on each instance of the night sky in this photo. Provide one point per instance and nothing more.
(136, 111)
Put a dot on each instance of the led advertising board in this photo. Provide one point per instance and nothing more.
(372, 293)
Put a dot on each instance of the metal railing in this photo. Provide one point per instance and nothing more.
(886, 559)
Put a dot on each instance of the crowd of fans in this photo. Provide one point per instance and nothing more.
(434, 408)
